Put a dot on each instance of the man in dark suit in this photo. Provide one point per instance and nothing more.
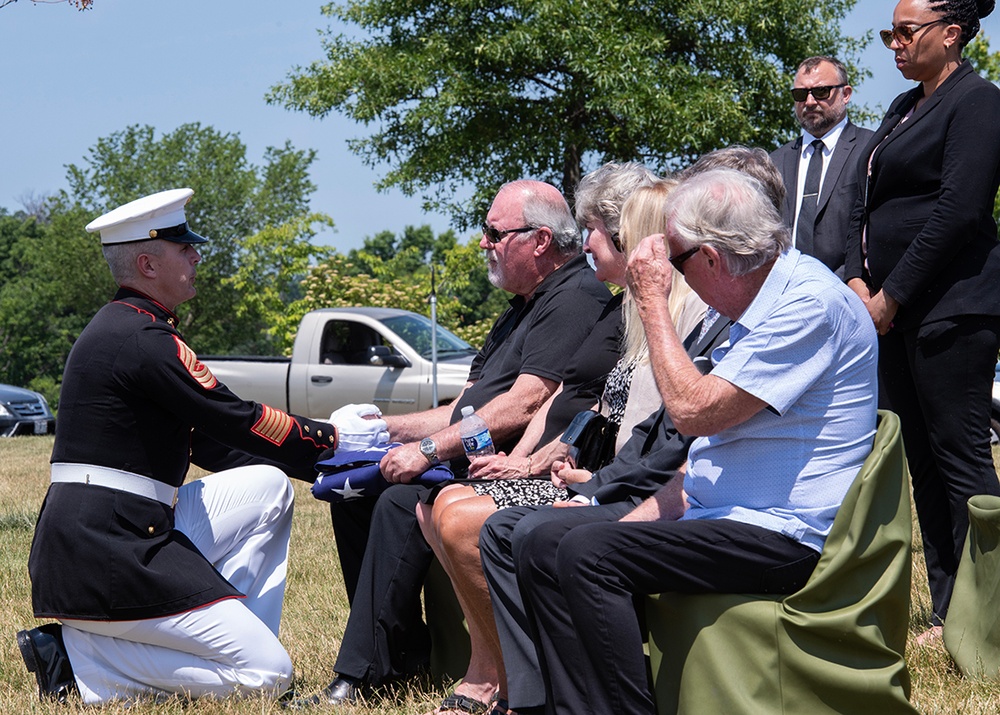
(821, 185)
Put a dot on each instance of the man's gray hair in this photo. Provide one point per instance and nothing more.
(731, 212)
(750, 160)
(601, 194)
(121, 258)
(540, 210)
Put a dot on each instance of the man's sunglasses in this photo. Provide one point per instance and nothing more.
(903, 34)
(494, 235)
(678, 261)
(799, 94)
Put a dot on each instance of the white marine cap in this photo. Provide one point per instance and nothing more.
(159, 215)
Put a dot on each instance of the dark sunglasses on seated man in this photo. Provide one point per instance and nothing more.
(799, 94)
(494, 235)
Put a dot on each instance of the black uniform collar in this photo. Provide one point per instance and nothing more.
(130, 296)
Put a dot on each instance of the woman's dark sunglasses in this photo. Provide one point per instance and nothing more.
(799, 94)
(678, 261)
(496, 236)
(904, 33)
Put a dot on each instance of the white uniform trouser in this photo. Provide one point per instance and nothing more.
(241, 520)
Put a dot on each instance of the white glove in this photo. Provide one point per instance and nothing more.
(359, 427)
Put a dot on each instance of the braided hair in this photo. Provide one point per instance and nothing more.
(965, 14)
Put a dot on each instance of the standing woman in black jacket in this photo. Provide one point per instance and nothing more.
(923, 255)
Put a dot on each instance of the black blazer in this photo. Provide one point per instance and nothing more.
(837, 196)
(928, 207)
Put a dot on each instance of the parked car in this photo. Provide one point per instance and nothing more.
(349, 355)
(24, 412)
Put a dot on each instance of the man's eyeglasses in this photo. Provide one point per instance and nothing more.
(903, 34)
(678, 261)
(799, 94)
(494, 235)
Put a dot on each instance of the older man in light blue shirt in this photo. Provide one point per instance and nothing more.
(802, 348)
(785, 420)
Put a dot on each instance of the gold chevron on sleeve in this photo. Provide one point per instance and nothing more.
(273, 425)
(195, 367)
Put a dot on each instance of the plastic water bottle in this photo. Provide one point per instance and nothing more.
(476, 437)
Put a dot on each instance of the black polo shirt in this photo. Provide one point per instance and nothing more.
(538, 336)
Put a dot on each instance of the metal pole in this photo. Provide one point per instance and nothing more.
(434, 342)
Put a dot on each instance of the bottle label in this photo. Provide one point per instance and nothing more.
(476, 442)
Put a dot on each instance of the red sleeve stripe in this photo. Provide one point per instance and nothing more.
(195, 367)
(273, 425)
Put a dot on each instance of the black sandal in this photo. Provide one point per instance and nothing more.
(463, 704)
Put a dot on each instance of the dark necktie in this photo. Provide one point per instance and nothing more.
(810, 196)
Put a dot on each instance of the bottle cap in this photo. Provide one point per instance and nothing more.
(468, 410)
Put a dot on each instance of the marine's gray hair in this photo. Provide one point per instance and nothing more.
(601, 193)
(121, 258)
(731, 212)
(540, 210)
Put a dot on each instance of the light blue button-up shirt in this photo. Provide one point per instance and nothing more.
(807, 347)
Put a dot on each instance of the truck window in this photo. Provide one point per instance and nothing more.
(346, 343)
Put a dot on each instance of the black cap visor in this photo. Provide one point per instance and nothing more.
(177, 234)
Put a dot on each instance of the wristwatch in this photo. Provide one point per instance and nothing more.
(429, 450)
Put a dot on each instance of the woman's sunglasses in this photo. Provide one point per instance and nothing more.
(903, 34)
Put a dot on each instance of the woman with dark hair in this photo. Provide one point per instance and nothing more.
(923, 255)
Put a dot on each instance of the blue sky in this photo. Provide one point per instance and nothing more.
(71, 77)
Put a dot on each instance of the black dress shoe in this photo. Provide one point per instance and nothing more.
(342, 691)
(45, 655)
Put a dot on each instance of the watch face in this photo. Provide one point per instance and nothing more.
(428, 449)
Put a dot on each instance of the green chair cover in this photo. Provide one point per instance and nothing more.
(835, 646)
(972, 629)
(450, 647)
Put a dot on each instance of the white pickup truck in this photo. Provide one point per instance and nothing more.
(343, 355)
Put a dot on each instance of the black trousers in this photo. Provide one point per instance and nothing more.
(386, 637)
(939, 378)
(500, 541)
(352, 521)
(579, 588)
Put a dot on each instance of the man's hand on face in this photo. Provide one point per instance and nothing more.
(649, 271)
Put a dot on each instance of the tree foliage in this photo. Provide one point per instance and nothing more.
(395, 272)
(78, 4)
(481, 91)
(233, 200)
(54, 277)
(53, 281)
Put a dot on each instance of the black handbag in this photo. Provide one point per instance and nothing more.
(591, 438)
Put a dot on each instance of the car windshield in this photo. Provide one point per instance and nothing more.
(416, 330)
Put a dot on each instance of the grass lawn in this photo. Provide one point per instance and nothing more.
(316, 611)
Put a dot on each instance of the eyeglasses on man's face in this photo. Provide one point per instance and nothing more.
(799, 94)
(494, 235)
(678, 261)
(903, 34)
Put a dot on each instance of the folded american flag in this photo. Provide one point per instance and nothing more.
(355, 475)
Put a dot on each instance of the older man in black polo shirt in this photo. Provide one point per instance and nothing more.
(533, 247)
